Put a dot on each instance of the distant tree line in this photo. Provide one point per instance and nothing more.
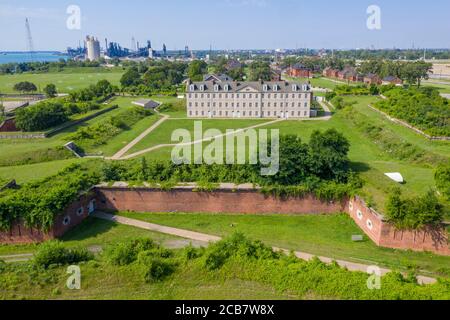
(410, 72)
(42, 67)
(153, 77)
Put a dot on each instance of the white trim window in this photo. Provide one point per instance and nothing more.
(294, 87)
(265, 87)
(369, 224)
(359, 214)
(216, 87)
(202, 87)
(192, 87)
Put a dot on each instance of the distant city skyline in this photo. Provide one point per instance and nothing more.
(227, 24)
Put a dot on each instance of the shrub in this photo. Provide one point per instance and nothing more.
(125, 253)
(54, 252)
(442, 177)
(423, 108)
(41, 116)
(38, 203)
(236, 245)
(158, 270)
(415, 212)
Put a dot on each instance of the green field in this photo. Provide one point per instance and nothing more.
(66, 81)
(322, 235)
(162, 135)
(31, 150)
(370, 159)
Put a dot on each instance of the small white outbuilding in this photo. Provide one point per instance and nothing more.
(395, 176)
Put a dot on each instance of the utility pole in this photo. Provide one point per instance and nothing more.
(30, 46)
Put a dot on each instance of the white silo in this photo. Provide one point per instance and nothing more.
(93, 49)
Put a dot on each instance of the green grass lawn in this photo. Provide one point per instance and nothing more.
(32, 172)
(162, 135)
(65, 81)
(368, 158)
(322, 235)
(14, 150)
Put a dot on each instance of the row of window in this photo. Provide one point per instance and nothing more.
(248, 95)
(250, 105)
(226, 87)
(250, 113)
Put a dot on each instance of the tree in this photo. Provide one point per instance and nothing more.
(328, 154)
(414, 213)
(25, 86)
(40, 116)
(131, 78)
(260, 70)
(197, 69)
(414, 72)
(50, 90)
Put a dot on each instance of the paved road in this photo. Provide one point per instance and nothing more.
(351, 266)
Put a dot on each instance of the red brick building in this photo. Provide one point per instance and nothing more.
(372, 79)
(299, 71)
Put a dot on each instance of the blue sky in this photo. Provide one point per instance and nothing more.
(229, 24)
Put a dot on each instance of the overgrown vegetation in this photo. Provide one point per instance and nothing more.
(389, 141)
(97, 93)
(51, 113)
(55, 253)
(99, 133)
(236, 258)
(423, 108)
(415, 212)
(442, 178)
(154, 77)
(37, 204)
(321, 166)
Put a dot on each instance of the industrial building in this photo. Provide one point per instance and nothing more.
(93, 49)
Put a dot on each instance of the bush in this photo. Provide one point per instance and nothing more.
(54, 252)
(423, 108)
(38, 203)
(442, 177)
(158, 270)
(41, 116)
(125, 253)
(414, 213)
(236, 245)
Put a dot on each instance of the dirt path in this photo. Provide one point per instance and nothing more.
(120, 154)
(351, 266)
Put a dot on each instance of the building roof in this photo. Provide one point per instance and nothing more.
(300, 66)
(371, 76)
(234, 64)
(147, 103)
(390, 78)
(250, 86)
(220, 77)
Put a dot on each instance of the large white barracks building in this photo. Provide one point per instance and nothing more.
(222, 97)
